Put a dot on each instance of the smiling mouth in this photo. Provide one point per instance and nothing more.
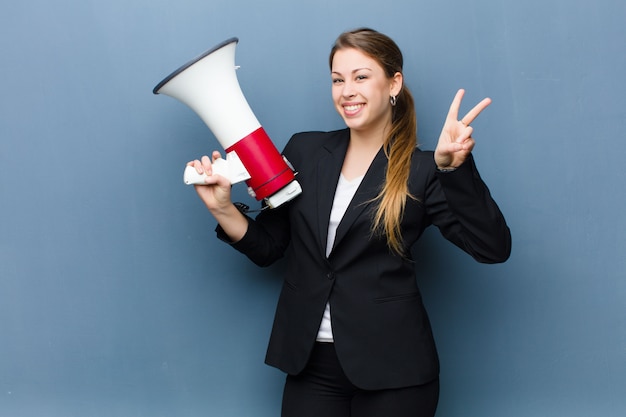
(353, 108)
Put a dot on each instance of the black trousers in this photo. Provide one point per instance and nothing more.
(323, 390)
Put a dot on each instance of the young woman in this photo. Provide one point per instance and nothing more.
(350, 328)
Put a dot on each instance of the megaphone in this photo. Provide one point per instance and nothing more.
(208, 85)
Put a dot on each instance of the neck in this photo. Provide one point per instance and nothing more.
(370, 139)
(361, 152)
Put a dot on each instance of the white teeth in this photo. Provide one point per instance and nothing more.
(353, 107)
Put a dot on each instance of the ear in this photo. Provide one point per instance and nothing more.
(396, 83)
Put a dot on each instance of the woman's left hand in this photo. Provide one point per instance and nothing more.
(456, 142)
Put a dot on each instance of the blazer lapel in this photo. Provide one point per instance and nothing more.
(328, 171)
(367, 191)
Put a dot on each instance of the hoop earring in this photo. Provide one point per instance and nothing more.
(393, 100)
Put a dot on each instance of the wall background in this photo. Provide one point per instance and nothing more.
(117, 300)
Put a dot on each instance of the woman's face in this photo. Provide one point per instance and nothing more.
(361, 91)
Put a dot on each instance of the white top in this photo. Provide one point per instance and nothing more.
(343, 195)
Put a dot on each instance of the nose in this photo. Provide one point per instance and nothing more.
(348, 89)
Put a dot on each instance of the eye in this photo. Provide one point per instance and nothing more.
(337, 80)
(361, 77)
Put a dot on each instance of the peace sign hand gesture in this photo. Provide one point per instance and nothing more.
(456, 142)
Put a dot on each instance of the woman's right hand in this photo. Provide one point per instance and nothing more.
(215, 193)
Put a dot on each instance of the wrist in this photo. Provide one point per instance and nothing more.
(232, 222)
(224, 210)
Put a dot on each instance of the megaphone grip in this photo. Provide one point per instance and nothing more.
(268, 170)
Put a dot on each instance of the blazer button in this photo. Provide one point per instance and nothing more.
(330, 276)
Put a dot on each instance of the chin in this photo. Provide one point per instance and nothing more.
(352, 123)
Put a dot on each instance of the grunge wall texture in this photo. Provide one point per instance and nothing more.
(117, 300)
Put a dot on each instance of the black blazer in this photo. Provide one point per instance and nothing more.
(381, 331)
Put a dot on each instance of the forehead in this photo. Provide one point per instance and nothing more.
(350, 59)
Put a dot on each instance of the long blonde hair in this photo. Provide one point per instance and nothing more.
(401, 140)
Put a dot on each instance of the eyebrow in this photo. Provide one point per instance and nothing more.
(353, 71)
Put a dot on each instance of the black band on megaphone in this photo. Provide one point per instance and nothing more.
(190, 63)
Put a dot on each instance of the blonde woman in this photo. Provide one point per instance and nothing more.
(350, 330)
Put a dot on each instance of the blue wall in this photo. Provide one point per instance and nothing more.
(117, 300)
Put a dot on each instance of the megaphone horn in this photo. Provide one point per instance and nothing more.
(208, 85)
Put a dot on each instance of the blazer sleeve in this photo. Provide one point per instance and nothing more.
(266, 239)
(460, 205)
(269, 234)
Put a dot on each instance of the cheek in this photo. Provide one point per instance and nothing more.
(382, 91)
(336, 103)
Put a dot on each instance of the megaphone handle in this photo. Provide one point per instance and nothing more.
(191, 176)
(230, 168)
